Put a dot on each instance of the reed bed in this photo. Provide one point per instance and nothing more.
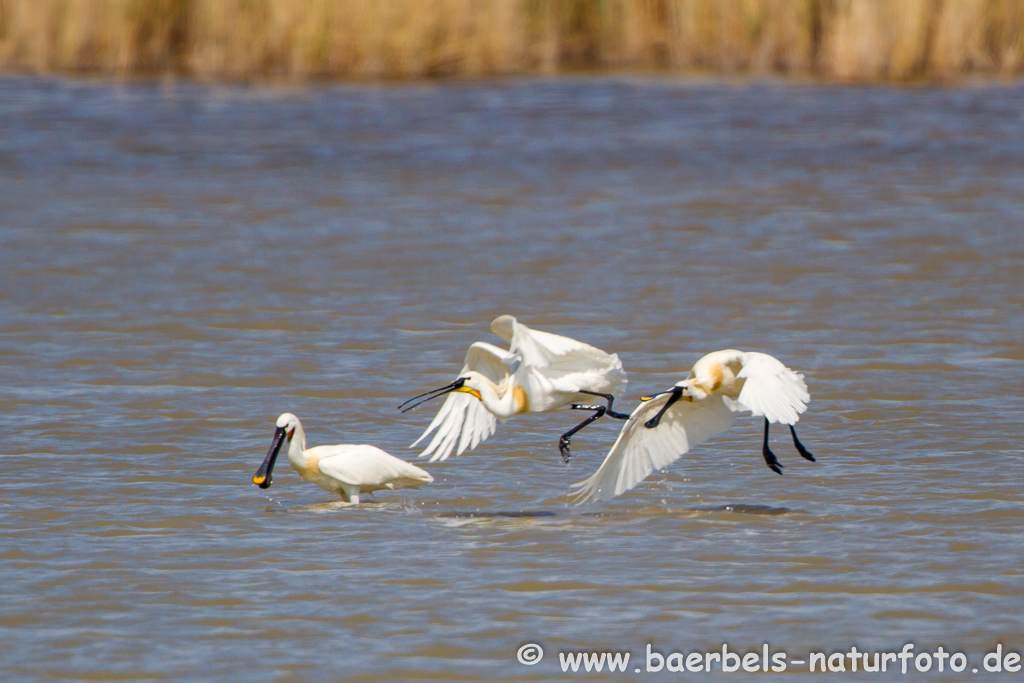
(848, 40)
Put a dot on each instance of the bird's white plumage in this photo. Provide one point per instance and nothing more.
(555, 368)
(640, 451)
(771, 389)
(346, 469)
(463, 422)
(543, 349)
(539, 372)
(368, 467)
(720, 384)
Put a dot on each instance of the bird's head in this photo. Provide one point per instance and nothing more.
(286, 426)
(468, 384)
(685, 390)
(691, 391)
(472, 384)
(288, 423)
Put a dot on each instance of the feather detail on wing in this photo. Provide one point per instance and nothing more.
(463, 422)
(771, 389)
(369, 466)
(536, 348)
(559, 363)
(639, 451)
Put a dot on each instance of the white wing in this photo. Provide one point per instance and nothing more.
(559, 364)
(369, 466)
(536, 348)
(639, 451)
(771, 389)
(462, 422)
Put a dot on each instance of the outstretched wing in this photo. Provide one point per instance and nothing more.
(462, 422)
(771, 389)
(639, 451)
(558, 363)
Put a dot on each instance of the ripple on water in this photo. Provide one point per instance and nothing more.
(181, 263)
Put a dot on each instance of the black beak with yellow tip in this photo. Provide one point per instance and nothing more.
(675, 394)
(263, 477)
(457, 385)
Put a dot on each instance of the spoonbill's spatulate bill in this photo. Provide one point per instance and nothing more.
(667, 425)
(345, 469)
(539, 372)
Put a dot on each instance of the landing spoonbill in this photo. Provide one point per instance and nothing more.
(539, 372)
(345, 469)
(667, 425)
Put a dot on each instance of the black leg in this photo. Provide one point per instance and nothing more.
(800, 447)
(654, 421)
(611, 399)
(563, 441)
(773, 463)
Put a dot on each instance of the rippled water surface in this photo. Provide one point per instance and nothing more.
(180, 263)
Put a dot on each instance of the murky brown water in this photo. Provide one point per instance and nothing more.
(180, 264)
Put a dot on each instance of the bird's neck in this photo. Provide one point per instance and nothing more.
(713, 376)
(504, 400)
(297, 446)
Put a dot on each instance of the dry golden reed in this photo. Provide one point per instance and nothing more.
(242, 39)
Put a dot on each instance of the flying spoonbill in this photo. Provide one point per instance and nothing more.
(345, 469)
(539, 372)
(667, 425)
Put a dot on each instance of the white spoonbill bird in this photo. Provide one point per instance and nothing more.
(667, 425)
(345, 469)
(539, 372)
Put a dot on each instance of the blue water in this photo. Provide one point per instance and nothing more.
(180, 263)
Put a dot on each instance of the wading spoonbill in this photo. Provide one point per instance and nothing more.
(667, 425)
(539, 372)
(345, 469)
